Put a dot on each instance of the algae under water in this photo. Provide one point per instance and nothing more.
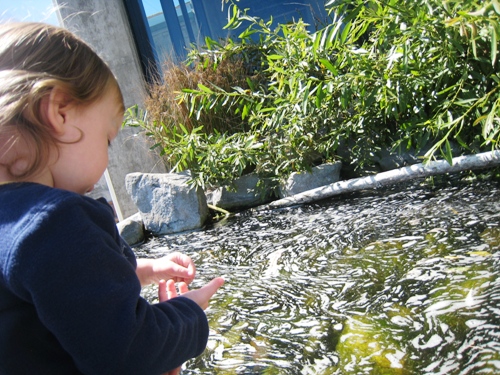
(401, 280)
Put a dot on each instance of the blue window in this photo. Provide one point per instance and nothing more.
(164, 29)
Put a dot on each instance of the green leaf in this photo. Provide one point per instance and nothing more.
(275, 57)
(448, 156)
(488, 125)
(345, 32)
(183, 128)
(493, 51)
(247, 33)
(317, 40)
(245, 111)
(461, 141)
(496, 6)
(305, 99)
(474, 47)
(208, 42)
(270, 109)
(480, 119)
(327, 64)
(204, 88)
(333, 34)
(250, 84)
(233, 14)
(320, 95)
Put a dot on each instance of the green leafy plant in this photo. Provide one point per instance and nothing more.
(213, 159)
(431, 71)
(420, 75)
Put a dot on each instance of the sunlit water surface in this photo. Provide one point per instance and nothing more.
(396, 281)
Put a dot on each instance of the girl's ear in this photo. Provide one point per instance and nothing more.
(56, 108)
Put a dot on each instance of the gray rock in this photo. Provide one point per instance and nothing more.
(244, 194)
(320, 175)
(388, 160)
(166, 202)
(132, 229)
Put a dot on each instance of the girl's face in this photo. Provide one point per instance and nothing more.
(82, 163)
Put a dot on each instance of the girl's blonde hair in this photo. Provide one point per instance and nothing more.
(35, 58)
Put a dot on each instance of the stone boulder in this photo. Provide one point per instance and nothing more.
(321, 175)
(388, 160)
(244, 194)
(132, 229)
(167, 204)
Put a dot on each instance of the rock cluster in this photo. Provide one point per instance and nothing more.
(168, 204)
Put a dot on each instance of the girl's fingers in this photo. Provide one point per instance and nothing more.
(185, 269)
(171, 290)
(162, 291)
(202, 296)
(167, 290)
(183, 288)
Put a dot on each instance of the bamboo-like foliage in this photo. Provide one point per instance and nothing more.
(420, 74)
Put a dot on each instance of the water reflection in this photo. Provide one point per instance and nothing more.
(397, 281)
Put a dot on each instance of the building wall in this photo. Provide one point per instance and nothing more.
(167, 30)
(105, 26)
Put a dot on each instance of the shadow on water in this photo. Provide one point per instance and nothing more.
(402, 280)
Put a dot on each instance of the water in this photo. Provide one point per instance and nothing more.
(396, 281)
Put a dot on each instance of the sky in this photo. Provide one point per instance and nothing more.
(42, 10)
(151, 6)
(154, 6)
(28, 10)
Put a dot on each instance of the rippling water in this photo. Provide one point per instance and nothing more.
(402, 280)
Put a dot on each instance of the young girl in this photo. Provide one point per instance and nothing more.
(69, 286)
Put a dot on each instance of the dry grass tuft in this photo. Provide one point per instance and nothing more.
(164, 107)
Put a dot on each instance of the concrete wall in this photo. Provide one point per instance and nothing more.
(104, 25)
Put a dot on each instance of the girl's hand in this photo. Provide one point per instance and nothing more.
(167, 290)
(176, 266)
(202, 296)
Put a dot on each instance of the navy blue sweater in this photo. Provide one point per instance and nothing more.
(69, 295)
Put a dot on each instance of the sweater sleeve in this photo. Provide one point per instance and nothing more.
(71, 266)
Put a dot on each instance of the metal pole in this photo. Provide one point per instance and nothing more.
(432, 168)
(113, 195)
